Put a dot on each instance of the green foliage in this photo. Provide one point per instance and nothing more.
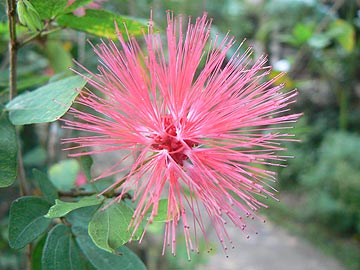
(45, 104)
(63, 174)
(27, 221)
(61, 208)
(101, 23)
(333, 184)
(8, 151)
(48, 190)
(28, 15)
(49, 9)
(60, 250)
(123, 258)
(108, 227)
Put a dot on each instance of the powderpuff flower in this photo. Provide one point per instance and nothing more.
(200, 129)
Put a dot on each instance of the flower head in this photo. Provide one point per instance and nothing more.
(199, 127)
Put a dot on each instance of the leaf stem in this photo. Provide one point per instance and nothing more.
(39, 34)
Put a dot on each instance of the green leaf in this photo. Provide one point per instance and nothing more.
(50, 8)
(101, 23)
(124, 258)
(37, 254)
(61, 208)
(60, 250)
(344, 34)
(86, 163)
(27, 220)
(60, 60)
(8, 151)
(47, 188)
(80, 218)
(109, 228)
(302, 33)
(45, 104)
(64, 173)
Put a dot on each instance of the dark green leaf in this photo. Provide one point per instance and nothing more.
(101, 23)
(61, 208)
(8, 151)
(86, 163)
(50, 8)
(45, 104)
(27, 220)
(124, 258)
(47, 188)
(60, 250)
(63, 174)
(109, 228)
(37, 254)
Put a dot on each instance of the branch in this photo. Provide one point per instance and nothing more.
(81, 193)
(11, 13)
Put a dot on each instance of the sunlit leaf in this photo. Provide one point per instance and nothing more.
(108, 228)
(50, 8)
(45, 104)
(61, 208)
(101, 23)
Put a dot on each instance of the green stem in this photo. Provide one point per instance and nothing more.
(39, 34)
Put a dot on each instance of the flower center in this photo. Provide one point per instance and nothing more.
(169, 141)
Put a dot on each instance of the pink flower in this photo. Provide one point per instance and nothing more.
(96, 4)
(199, 127)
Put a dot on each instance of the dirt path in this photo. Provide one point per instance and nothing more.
(272, 249)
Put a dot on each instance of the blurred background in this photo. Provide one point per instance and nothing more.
(317, 43)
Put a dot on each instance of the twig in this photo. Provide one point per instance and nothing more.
(81, 193)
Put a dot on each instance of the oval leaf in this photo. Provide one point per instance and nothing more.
(60, 251)
(47, 188)
(27, 220)
(61, 208)
(125, 259)
(101, 23)
(45, 104)
(109, 228)
(8, 151)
